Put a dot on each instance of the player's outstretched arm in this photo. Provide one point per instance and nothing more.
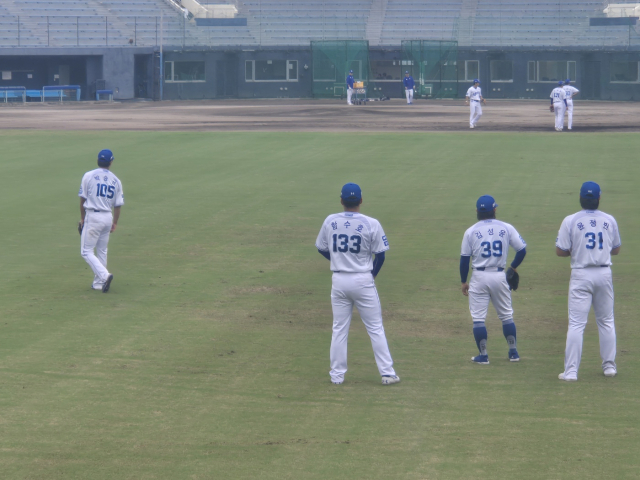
(116, 216)
(377, 264)
(464, 273)
(466, 100)
(325, 253)
(519, 258)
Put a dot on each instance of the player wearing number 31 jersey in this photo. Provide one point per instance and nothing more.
(349, 240)
(590, 237)
(485, 245)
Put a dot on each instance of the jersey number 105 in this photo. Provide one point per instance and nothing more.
(344, 243)
(103, 190)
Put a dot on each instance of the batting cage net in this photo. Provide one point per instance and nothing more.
(332, 61)
(433, 65)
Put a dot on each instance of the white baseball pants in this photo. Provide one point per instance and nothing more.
(349, 93)
(357, 289)
(569, 113)
(590, 286)
(409, 93)
(489, 286)
(558, 109)
(476, 112)
(95, 235)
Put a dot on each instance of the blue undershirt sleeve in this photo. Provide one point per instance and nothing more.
(377, 263)
(518, 258)
(325, 254)
(551, 101)
(464, 268)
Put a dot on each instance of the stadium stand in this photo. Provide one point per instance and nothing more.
(544, 23)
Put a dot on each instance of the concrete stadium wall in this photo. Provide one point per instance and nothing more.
(224, 72)
(113, 65)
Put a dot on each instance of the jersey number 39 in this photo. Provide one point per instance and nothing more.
(497, 249)
(343, 246)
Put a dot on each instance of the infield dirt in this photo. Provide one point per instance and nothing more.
(307, 115)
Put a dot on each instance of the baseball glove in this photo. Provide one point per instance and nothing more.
(551, 108)
(513, 279)
(80, 228)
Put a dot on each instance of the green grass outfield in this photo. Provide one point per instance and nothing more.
(209, 356)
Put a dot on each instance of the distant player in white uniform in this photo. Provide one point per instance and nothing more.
(473, 98)
(558, 105)
(349, 87)
(100, 191)
(408, 83)
(349, 240)
(569, 93)
(590, 237)
(485, 245)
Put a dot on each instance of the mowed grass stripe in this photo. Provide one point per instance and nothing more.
(209, 357)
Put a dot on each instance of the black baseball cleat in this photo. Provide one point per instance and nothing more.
(107, 284)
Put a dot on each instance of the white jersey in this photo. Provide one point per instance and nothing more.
(351, 238)
(589, 235)
(569, 92)
(557, 94)
(487, 243)
(474, 93)
(101, 190)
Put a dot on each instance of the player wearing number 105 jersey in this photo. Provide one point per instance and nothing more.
(100, 192)
(590, 237)
(485, 245)
(349, 240)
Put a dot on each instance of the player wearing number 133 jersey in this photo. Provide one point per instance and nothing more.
(590, 237)
(349, 240)
(485, 245)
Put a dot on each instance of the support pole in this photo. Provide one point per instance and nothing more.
(161, 59)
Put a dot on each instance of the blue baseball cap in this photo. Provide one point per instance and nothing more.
(590, 190)
(475, 80)
(105, 156)
(560, 83)
(486, 203)
(351, 192)
(350, 71)
(407, 72)
(567, 81)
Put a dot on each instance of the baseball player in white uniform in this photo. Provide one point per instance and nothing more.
(349, 240)
(409, 84)
(485, 245)
(473, 98)
(589, 237)
(100, 191)
(569, 93)
(558, 105)
(350, 81)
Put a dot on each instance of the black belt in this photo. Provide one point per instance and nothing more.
(100, 211)
(475, 100)
(500, 269)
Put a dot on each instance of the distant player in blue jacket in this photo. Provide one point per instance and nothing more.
(349, 87)
(408, 87)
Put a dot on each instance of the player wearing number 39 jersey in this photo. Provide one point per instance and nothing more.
(485, 245)
(590, 237)
(349, 240)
